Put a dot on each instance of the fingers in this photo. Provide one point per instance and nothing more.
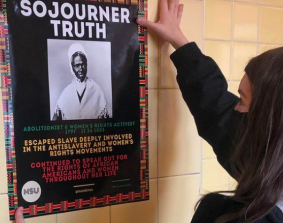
(19, 215)
(146, 23)
(163, 6)
(180, 12)
(173, 6)
(176, 7)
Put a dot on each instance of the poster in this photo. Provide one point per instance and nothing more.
(74, 89)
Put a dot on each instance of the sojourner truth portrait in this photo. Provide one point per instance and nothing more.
(83, 98)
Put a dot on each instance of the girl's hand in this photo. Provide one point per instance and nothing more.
(19, 215)
(168, 25)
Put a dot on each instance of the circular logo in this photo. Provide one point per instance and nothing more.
(31, 191)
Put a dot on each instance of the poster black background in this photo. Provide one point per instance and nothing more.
(29, 66)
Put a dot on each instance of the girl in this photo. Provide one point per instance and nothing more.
(246, 134)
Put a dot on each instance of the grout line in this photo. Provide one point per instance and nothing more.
(242, 41)
(201, 169)
(271, 44)
(154, 179)
(201, 158)
(258, 29)
(232, 43)
(234, 80)
(259, 4)
(203, 43)
(110, 213)
(281, 34)
(212, 158)
(203, 50)
(255, 3)
(231, 62)
(157, 200)
(179, 175)
(203, 34)
(159, 62)
(168, 88)
(157, 126)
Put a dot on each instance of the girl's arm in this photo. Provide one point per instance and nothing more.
(201, 82)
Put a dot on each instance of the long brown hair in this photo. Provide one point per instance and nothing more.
(257, 162)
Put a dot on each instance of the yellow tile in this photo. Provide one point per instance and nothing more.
(218, 19)
(263, 48)
(97, 215)
(221, 53)
(271, 23)
(272, 2)
(4, 209)
(153, 11)
(152, 133)
(192, 26)
(177, 197)
(179, 145)
(44, 219)
(207, 151)
(138, 212)
(153, 61)
(233, 87)
(3, 171)
(246, 22)
(232, 183)
(214, 177)
(192, 20)
(153, 51)
(167, 69)
(254, 1)
(243, 52)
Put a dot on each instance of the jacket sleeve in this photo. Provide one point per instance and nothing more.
(204, 90)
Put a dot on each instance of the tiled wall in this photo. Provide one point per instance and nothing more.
(182, 165)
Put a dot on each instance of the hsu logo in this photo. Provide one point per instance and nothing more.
(31, 191)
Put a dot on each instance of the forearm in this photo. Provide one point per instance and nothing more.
(204, 90)
(201, 82)
(203, 85)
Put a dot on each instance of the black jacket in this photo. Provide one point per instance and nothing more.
(204, 89)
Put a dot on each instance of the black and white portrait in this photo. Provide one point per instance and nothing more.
(80, 82)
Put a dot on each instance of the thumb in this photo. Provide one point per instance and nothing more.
(146, 23)
(19, 215)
